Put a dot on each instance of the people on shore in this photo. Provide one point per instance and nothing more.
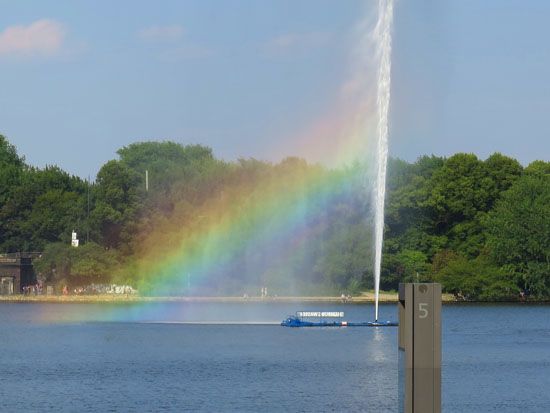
(345, 298)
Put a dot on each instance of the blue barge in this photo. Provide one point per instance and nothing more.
(298, 320)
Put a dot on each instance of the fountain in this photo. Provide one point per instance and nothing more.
(382, 35)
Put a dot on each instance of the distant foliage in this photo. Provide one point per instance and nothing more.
(519, 230)
(480, 227)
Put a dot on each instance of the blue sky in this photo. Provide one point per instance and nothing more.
(78, 80)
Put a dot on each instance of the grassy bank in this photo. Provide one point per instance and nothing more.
(367, 297)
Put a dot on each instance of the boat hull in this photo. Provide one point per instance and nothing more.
(296, 322)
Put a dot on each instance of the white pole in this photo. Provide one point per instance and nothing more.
(146, 180)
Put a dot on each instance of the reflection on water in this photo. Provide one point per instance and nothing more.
(379, 345)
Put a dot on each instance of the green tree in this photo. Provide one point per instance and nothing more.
(55, 263)
(92, 263)
(53, 216)
(11, 171)
(503, 172)
(42, 206)
(116, 204)
(478, 279)
(519, 230)
(60, 263)
(461, 193)
(459, 190)
(346, 259)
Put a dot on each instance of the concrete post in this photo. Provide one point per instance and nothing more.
(419, 348)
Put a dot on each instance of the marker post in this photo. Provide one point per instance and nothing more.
(419, 348)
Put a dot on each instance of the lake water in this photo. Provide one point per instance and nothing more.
(128, 357)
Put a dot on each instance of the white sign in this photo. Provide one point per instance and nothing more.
(73, 235)
(336, 314)
(74, 243)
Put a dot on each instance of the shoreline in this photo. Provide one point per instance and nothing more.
(365, 298)
(111, 298)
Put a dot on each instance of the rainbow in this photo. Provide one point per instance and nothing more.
(196, 249)
(186, 255)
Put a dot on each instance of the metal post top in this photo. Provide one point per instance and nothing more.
(402, 287)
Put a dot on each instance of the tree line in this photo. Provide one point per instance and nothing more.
(480, 227)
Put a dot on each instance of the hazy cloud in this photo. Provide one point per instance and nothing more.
(296, 42)
(188, 51)
(41, 38)
(161, 33)
(171, 45)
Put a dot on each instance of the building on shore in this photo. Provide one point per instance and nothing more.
(16, 272)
